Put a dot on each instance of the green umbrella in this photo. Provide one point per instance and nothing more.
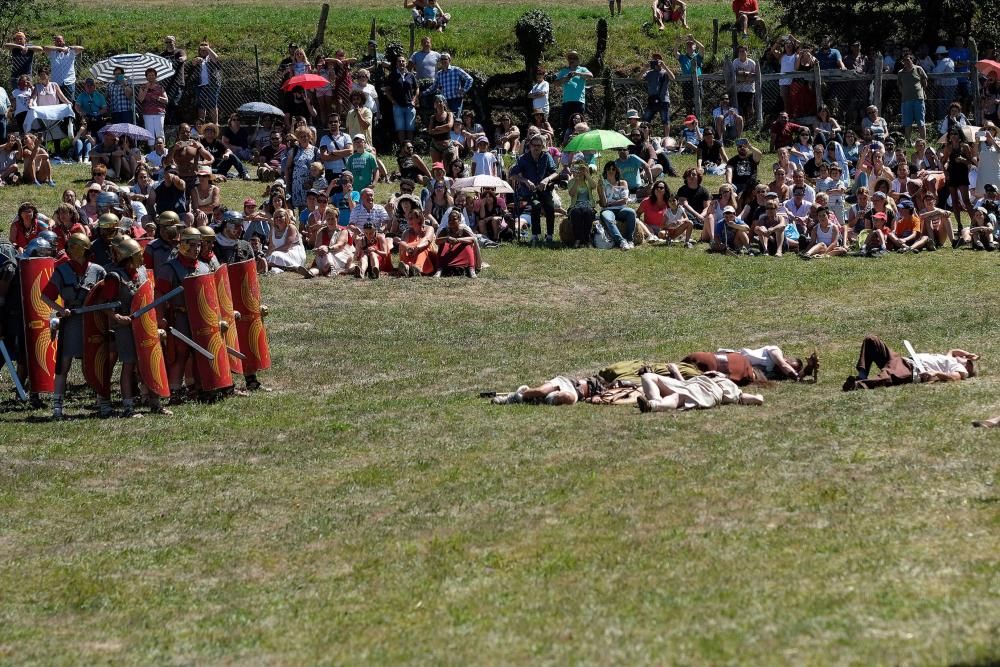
(598, 140)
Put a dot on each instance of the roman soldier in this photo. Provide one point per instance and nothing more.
(173, 313)
(230, 247)
(160, 250)
(108, 230)
(121, 284)
(72, 280)
(207, 252)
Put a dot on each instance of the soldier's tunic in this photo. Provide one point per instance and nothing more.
(73, 282)
(156, 254)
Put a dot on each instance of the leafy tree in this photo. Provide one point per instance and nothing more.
(534, 35)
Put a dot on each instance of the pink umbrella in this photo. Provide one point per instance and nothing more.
(306, 82)
(987, 66)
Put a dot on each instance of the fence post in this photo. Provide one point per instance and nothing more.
(609, 100)
(877, 86)
(715, 38)
(317, 41)
(819, 86)
(759, 98)
(256, 66)
(973, 59)
(696, 90)
(729, 79)
(413, 29)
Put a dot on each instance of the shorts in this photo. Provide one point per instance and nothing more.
(913, 112)
(565, 384)
(404, 118)
(208, 97)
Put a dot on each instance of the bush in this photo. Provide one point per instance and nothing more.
(534, 35)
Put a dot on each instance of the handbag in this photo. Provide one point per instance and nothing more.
(601, 239)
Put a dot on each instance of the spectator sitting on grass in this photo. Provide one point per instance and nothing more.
(642, 147)
(670, 11)
(783, 132)
(633, 169)
(730, 233)
(691, 135)
(711, 155)
(727, 121)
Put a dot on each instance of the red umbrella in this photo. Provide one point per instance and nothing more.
(306, 82)
(987, 66)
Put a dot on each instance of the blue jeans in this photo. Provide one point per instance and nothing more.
(610, 217)
(69, 90)
(81, 149)
(122, 116)
(404, 118)
(655, 106)
(455, 104)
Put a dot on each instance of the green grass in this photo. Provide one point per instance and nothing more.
(374, 510)
(481, 35)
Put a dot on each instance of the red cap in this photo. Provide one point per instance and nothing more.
(690, 119)
(250, 201)
(437, 165)
(880, 216)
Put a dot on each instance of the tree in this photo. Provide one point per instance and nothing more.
(16, 12)
(534, 35)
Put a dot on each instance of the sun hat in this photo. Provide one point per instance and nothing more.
(631, 113)
(941, 51)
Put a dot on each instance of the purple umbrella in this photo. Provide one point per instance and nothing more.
(129, 130)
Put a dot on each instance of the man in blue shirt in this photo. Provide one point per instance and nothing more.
(961, 55)
(731, 233)
(403, 92)
(453, 83)
(829, 57)
(534, 173)
(690, 60)
(573, 78)
(91, 105)
(630, 167)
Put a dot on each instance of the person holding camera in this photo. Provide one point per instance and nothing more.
(658, 78)
(727, 121)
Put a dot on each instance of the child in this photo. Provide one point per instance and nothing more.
(484, 162)
(317, 177)
(691, 135)
(675, 223)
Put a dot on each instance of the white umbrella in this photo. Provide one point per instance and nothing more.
(483, 181)
(135, 66)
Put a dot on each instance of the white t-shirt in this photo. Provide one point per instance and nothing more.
(749, 67)
(788, 64)
(671, 218)
(63, 66)
(759, 357)
(942, 363)
(485, 163)
(541, 103)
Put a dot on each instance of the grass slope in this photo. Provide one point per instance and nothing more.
(374, 510)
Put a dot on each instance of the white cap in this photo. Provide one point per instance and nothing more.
(359, 136)
(729, 209)
(941, 50)
(631, 113)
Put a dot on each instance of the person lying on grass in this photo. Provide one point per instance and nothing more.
(661, 393)
(953, 366)
(560, 390)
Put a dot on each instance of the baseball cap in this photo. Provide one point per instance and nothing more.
(690, 119)
(359, 136)
(483, 140)
(982, 210)
(880, 195)
(907, 204)
(941, 51)
(249, 201)
(437, 165)
(989, 187)
(729, 209)
(631, 113)
(89, 80)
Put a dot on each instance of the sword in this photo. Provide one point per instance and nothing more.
(236, 353)
(156, 302)
(190, 343)
(23, 395)
(96, 307)
(918, 366)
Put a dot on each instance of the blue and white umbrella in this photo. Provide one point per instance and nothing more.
(135, 66)
(260, 109)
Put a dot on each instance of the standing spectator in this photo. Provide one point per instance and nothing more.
(534, 173)
(988, 172)
(747, 12)
(62, 60)
(961, 57)
(300, 156)
(209, 83)
(22, 101)
(453, 83)
(120, 98)
(857, 94)
(912, 82)
(91, 105)
(690, 60)
(359, 118)
(4, 110)
(829, 57)
(425, 61)
(745, 75)
(175, 87)
(403, 93)
(539, 93)
(22, 55)
(47, 93)
(361, 82)
(786, 52)
(658, 78)
(333, 148)
(945, 85)
(573, 78)
(361, 163)
(153, 99)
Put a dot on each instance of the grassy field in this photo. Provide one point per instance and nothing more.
(374, 510)
(481, 35)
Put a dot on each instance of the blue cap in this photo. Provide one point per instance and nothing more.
(906, 203)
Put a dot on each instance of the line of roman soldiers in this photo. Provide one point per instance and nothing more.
(182, 314)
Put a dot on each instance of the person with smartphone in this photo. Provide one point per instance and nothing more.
(742, 167)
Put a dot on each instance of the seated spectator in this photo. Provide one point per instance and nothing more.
(507, 138)
(651, 212)
(369, 211)
(909, 233)
(730, 234)
(236, 138)
(411, 166)
(456, 249)
(205, 196)
(875, 123)
(37, 169)
(783, 132)
(633, 169)
(676, 222)
(741, 169)
(334, 249)
(747, 12)
(491, 210)
(22, 100)
(727, 121)
(779, 185)
(416, 246)
(770, 228)
(826, 236)
(955, 118)
(826, 128)
(613, 196)
(670, 11)
(471, 125)
(642, 147)
(286, 252)
(583, 199)
(10, 153)
(691, 134)
(224, 158)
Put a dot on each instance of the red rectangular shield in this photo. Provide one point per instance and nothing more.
(149, 351)
(202, 300)
(35, 275)
(97, 361)
(250, 326)
(230, 336)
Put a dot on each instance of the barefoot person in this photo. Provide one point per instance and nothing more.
(560, 390)
(186, 154)
(952, 366)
